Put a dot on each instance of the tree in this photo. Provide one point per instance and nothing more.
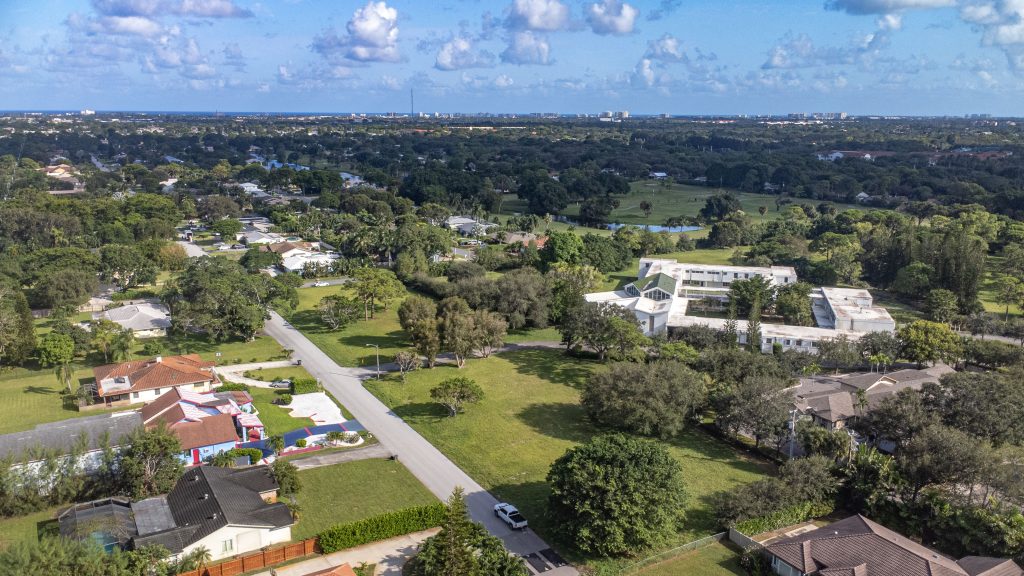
(569, 284)
(925, 341)
(746, 293)
(793, 303)
(338, 311)
(463, 548)
(57, 350)
(756, 405)
(754, 339)
(227, 228)
(373, 285)
(564, 247)
(151, 463)
(818, 440)
(455, 393)
(256, 259)
(456, 328)
(126, 266)
(941, 305)
(603, 327)
(913, 280)
(124, 342)
(718, 206)
(840, 352)
(657, 399)
(646, 208)
(407, 361)
(616, 495)
(897, 418)
(17, 332)
(725, 235)
(1009, 291)
(65, 287)
(986, 405)
(489, 331)
(287, 477)
(104, 332)
(276, 443)
(938, 455)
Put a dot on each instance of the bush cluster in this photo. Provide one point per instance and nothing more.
(387, 525)
(304, 386)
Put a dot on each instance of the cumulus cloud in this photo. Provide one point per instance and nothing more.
(233, 56)
(666, 48)
(665, 8)
(160, 8)
(503, 81)
(538, 15)
(372, 36)
(644, 74)
(527, 47)
(459, 54)
(612, 17)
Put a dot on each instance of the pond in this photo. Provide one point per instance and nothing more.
(617, 225)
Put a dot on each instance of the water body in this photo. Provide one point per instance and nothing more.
(651, 227)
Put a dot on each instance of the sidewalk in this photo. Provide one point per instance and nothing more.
(388, 555)
(234, 372)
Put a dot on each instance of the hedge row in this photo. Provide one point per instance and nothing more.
(254, 454)
(785, 517)
(304, 386)
(387, 525)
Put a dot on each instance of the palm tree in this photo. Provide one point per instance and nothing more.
(276, 443)
(123, 344)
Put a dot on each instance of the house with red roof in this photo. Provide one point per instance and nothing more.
(142, 381)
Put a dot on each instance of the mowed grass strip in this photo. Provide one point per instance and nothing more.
(352, 491)
(720, 559)
(529, 417)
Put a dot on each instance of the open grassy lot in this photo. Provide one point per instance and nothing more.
(348, 346)
(987, 294)
(33, 396)
(276, 419)
(529, 417)
(262, 349)
(352, 491)
(720, 559)
(27, 528)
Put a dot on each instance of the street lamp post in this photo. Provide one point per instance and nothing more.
(377, 347)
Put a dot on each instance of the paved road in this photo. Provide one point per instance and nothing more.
(192, 250)
(439, 474)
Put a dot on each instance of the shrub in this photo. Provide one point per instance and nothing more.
(304, 386)
(785, 517)
(284, 399)
(387, 525)
(300, 443)
(229, 386)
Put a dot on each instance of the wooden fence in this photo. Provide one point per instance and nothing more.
(257, 560)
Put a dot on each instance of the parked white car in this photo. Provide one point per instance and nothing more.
(510, 515)
(321, 284)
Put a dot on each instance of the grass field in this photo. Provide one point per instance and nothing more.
(987, 294)
(348, 346)
(33, 396)
(276, 419)
(529, 417)
(26, 528)
(352, 491)
(715, 560)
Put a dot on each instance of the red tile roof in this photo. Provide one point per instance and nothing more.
(206, 432)
(159, 372)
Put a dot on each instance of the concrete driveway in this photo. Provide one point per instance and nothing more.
(192, 250)
(317, 406)
(439, 474)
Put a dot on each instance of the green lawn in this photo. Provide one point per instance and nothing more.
(987, 294)
(530, 416)
(27, 528)
(720, 559)
(352, 491)
(276, 419)
(33, 396)
(348, 346)
(262, 349)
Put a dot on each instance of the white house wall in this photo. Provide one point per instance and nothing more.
(244, 539)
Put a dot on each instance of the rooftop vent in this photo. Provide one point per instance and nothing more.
(205, 497)
(159, 358)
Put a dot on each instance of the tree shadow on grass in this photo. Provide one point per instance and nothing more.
(421, 411)
(561, 420)
(551, 365)
(700, 445)
(393, 339)
(48, 528)
(39, 390)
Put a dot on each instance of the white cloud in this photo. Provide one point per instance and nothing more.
(665, 8)
(885, 6)
(612, 17)
(503, 81)
(890, 22)
(372, 36)
(459, 53)
(527, 48)
(666, 48)
(644, 74)
(126, 25)
(390, 83)
(538, 15)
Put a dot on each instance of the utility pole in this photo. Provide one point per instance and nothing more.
(377, 348)
(412, 103)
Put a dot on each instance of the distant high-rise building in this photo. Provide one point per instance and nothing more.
(87, 112)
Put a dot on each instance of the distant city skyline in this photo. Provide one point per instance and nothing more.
(696, 57)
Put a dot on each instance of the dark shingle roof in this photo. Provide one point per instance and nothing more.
(856, 545)
(61, 436)
(210, 498)
(985, 566)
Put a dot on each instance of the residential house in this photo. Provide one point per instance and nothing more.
(224, 510)
(856, 546)
(862, 197)
(658, 175)
(205, 424)
(145, 320)
(664, 290)
(91, 433)
(141, 381)
(468, 226)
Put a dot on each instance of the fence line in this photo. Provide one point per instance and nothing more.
(742, 540)
(256, 560)
(706, 541)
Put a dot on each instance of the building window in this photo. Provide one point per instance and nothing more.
(135, 395)
(799, 342)
(787, 342)
(156, 391)
(227, 546)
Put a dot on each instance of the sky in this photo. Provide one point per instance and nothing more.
(906, 57)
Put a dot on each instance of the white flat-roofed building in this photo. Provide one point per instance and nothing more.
(660, 298)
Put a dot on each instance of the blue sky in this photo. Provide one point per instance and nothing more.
(923, 57)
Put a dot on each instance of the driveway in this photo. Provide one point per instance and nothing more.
(439, 474)
(374, 451)
(316, 406)
(192, 250)
(236, 372)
